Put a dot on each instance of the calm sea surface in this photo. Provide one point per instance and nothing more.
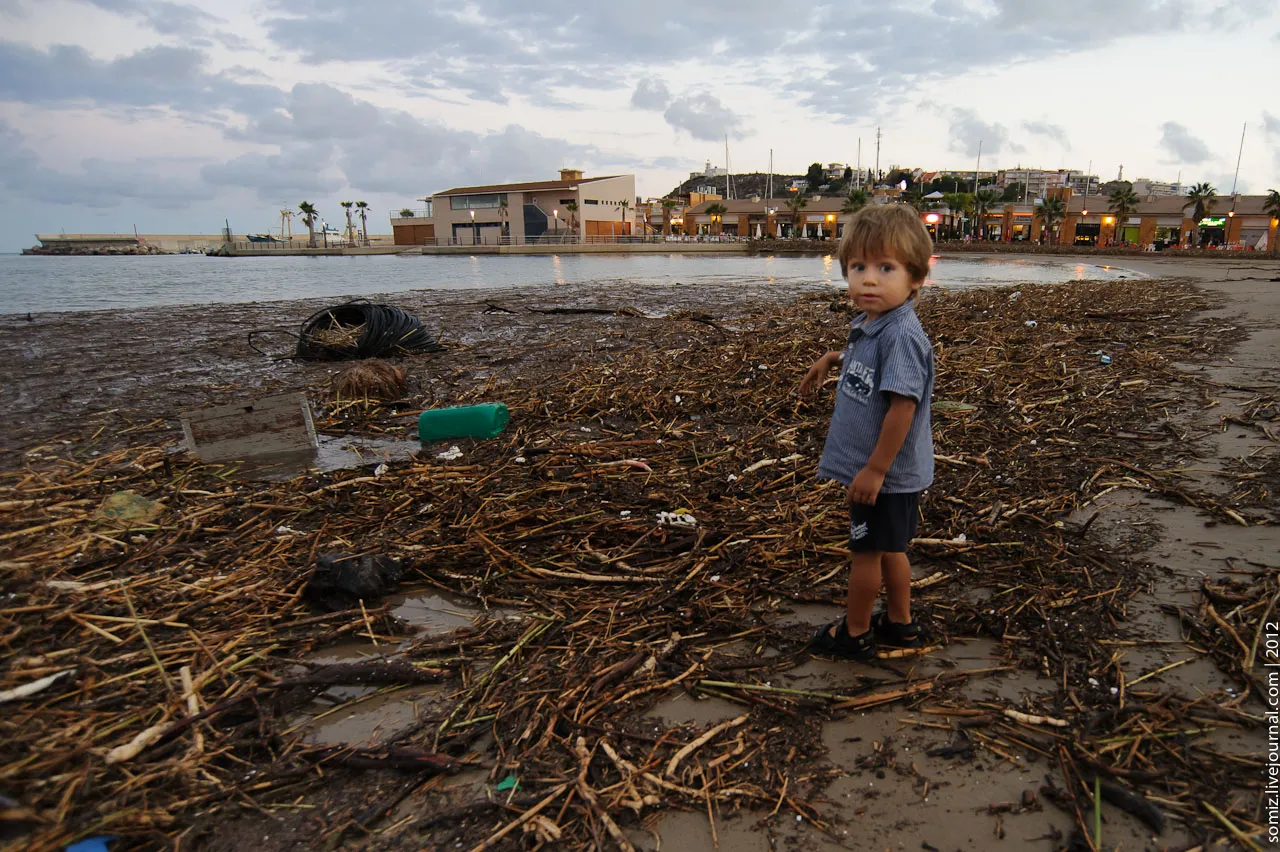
(47, 284)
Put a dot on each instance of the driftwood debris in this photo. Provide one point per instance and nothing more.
(195, 626)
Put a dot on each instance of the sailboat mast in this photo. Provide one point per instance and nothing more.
(859, 162)
(728, 189)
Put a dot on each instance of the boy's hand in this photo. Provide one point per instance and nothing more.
(816, 376)
(865, 487)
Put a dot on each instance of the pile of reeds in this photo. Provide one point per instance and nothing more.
(173, 647)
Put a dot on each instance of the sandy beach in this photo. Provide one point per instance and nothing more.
(559, 671)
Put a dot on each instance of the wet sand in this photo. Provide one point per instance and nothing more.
(75, 373)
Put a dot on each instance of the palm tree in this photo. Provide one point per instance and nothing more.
(957, 202)
(363, 207)
(572, 207)
(503, 210)
(1051, 211)
(795, 205)
(1203, 197)
(983, 203)
(854, 201)
(623, 206)
(915, 197)
(309, 216)
(1123, 202)
(716, 211)
(1272, 207)
(346, 207)
(668, 204)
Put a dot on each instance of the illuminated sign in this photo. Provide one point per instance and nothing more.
(1213, 222)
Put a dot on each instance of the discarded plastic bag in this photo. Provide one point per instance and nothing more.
(340, 580)
(129, 509)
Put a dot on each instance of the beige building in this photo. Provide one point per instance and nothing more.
(573, 208)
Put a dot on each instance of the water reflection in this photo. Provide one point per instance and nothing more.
(41, 284)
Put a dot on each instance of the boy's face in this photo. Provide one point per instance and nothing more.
(877, 285)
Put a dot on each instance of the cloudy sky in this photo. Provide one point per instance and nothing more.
(172, 116)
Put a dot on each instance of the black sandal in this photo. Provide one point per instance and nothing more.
(861, 647)
(893, 634)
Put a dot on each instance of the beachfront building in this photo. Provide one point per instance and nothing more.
(1163, 221)
(1146, 186)
(573, 208)
(768, 218)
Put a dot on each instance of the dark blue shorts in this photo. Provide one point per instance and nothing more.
(887, 527)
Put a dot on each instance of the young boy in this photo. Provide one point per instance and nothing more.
(879, 444)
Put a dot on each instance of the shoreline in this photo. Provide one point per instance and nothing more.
(18, 317)
(1070, 564)
(1103, 548)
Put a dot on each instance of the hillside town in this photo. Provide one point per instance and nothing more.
(1060, 208)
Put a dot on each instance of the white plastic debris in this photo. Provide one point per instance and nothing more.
(962, 537)
(793, 457)
(450, 454)
(520, 459)
(1030, 323)
(715, 578)
(676, 519)
(1015, 294)
(733, 477)
(678, 400)
(380, 469)
(625, 513)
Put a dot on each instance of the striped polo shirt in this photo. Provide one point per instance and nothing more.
(890, 354)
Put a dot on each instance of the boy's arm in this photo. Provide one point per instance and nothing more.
(818, 372)
(893, 433)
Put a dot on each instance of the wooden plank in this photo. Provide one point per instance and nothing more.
(266, 425)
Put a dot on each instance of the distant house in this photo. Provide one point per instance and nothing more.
(798, 185)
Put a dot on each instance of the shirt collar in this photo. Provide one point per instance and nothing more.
(871, 328)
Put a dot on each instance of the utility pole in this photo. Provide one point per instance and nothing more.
(977, 217)
(728, 189)
(768, 185)
(859, 162)
(877, 177)
(1236, 179)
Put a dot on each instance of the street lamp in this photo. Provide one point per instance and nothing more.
(475, 232)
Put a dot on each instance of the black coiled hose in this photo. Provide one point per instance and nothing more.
(387, 330)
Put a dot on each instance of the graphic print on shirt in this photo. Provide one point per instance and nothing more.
(857, 532)
(859, 379)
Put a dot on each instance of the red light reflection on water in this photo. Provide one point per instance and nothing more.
(929, 280)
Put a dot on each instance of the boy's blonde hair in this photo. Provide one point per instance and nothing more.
(887, 230)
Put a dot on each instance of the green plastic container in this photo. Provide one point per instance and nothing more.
(486, 420)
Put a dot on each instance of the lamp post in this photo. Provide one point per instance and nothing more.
(831, 223)
(475, 232)
(1226, 232)
(932, 220)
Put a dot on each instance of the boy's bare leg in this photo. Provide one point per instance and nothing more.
(864, 586)
(897, 582)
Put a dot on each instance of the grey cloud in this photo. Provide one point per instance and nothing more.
(1271, 124)
(651, 93)
(702, 116)
(329, 139)
(857, 45)
(1184, 147)
(99, 183)
(866, 67)
(164, 17)
(969, 130)
(160, 76)
(1056, 132)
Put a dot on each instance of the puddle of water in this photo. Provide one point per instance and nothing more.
(352, 651)
(331, 454)
(811, 615)
(685, 709)
(432, 612)
(371, 721)
(824, 675)
(686, 831)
